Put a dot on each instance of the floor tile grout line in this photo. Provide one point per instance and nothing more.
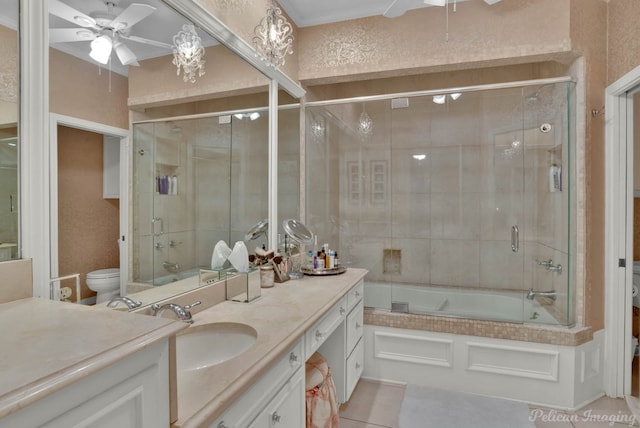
(365, 422)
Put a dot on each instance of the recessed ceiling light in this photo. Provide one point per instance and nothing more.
(439, 99)
(420, 156)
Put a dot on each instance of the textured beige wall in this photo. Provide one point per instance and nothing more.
(78, 89)
(155, 82)
(479, 35)
(88, 225)
(430, 81)
(623, 38)
(636, 142)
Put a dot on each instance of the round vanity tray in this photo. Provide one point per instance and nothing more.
(319, 272)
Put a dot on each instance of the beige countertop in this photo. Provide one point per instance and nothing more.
(48, 345)
(281, 317)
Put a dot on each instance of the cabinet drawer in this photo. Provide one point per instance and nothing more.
(247, 407)
(287, 409)
(354, 326)
(355, 364)
(355, 294)
(316, 335)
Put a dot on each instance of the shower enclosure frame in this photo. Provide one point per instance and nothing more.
(578, 258)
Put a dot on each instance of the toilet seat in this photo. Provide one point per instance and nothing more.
(104, 273)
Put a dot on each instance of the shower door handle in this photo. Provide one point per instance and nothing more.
(515, 238)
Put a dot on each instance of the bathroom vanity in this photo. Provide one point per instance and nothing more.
(71, 365)
(65, 365)
(264, 386)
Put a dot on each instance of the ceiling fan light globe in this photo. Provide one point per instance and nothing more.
(125, 55)
(101, 49)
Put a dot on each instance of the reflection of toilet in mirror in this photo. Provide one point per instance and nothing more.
(105, 282)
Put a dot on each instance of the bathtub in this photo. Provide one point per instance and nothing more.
(508, 306)
(495, 343)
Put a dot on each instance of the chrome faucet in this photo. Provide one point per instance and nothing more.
(183, 312)
(548, 265)
(127, 301)
(532, 294)
(171, 267)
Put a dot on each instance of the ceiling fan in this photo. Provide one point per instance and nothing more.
(399, 7)
(105, 30)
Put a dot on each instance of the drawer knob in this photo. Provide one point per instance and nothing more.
(293, 358)
(357, 294)
(275, 417)
(358, 325)
(342, 310)
(319, 335)
(222, 425)
(358, 365)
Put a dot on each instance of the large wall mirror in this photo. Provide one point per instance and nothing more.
(194, 168)
(9, 141)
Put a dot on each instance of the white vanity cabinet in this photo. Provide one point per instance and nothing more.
(342, 347)
(275, 400)
(131, 393)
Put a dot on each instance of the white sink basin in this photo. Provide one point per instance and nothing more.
(210, 344)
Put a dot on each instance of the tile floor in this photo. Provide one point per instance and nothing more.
(377, 405)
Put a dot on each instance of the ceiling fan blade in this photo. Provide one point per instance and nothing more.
(135, 13)
(63, 35)
(147, 41)
(61, 10)
(125, 55)
(398, 8)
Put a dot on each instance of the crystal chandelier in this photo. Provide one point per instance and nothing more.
(365, 125)
(188, 53)
(273, 36)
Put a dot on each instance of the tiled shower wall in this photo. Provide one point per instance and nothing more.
(222, 166)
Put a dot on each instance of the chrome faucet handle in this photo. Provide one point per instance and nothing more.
(187, 307)
(131, 304)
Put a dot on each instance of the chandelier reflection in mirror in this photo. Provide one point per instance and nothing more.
(188, 53)
(317, 129)
(365, 125)
(273, 36)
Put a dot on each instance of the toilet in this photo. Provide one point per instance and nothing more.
(105, 282)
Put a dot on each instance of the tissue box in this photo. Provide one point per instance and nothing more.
(243, 286)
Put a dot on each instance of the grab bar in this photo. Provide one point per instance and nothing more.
(515, 238)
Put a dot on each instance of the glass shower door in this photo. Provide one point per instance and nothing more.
(504, 243)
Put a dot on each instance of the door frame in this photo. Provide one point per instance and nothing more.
(618, 222)
(98, 128)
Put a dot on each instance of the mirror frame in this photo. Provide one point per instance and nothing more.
(35, 195)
